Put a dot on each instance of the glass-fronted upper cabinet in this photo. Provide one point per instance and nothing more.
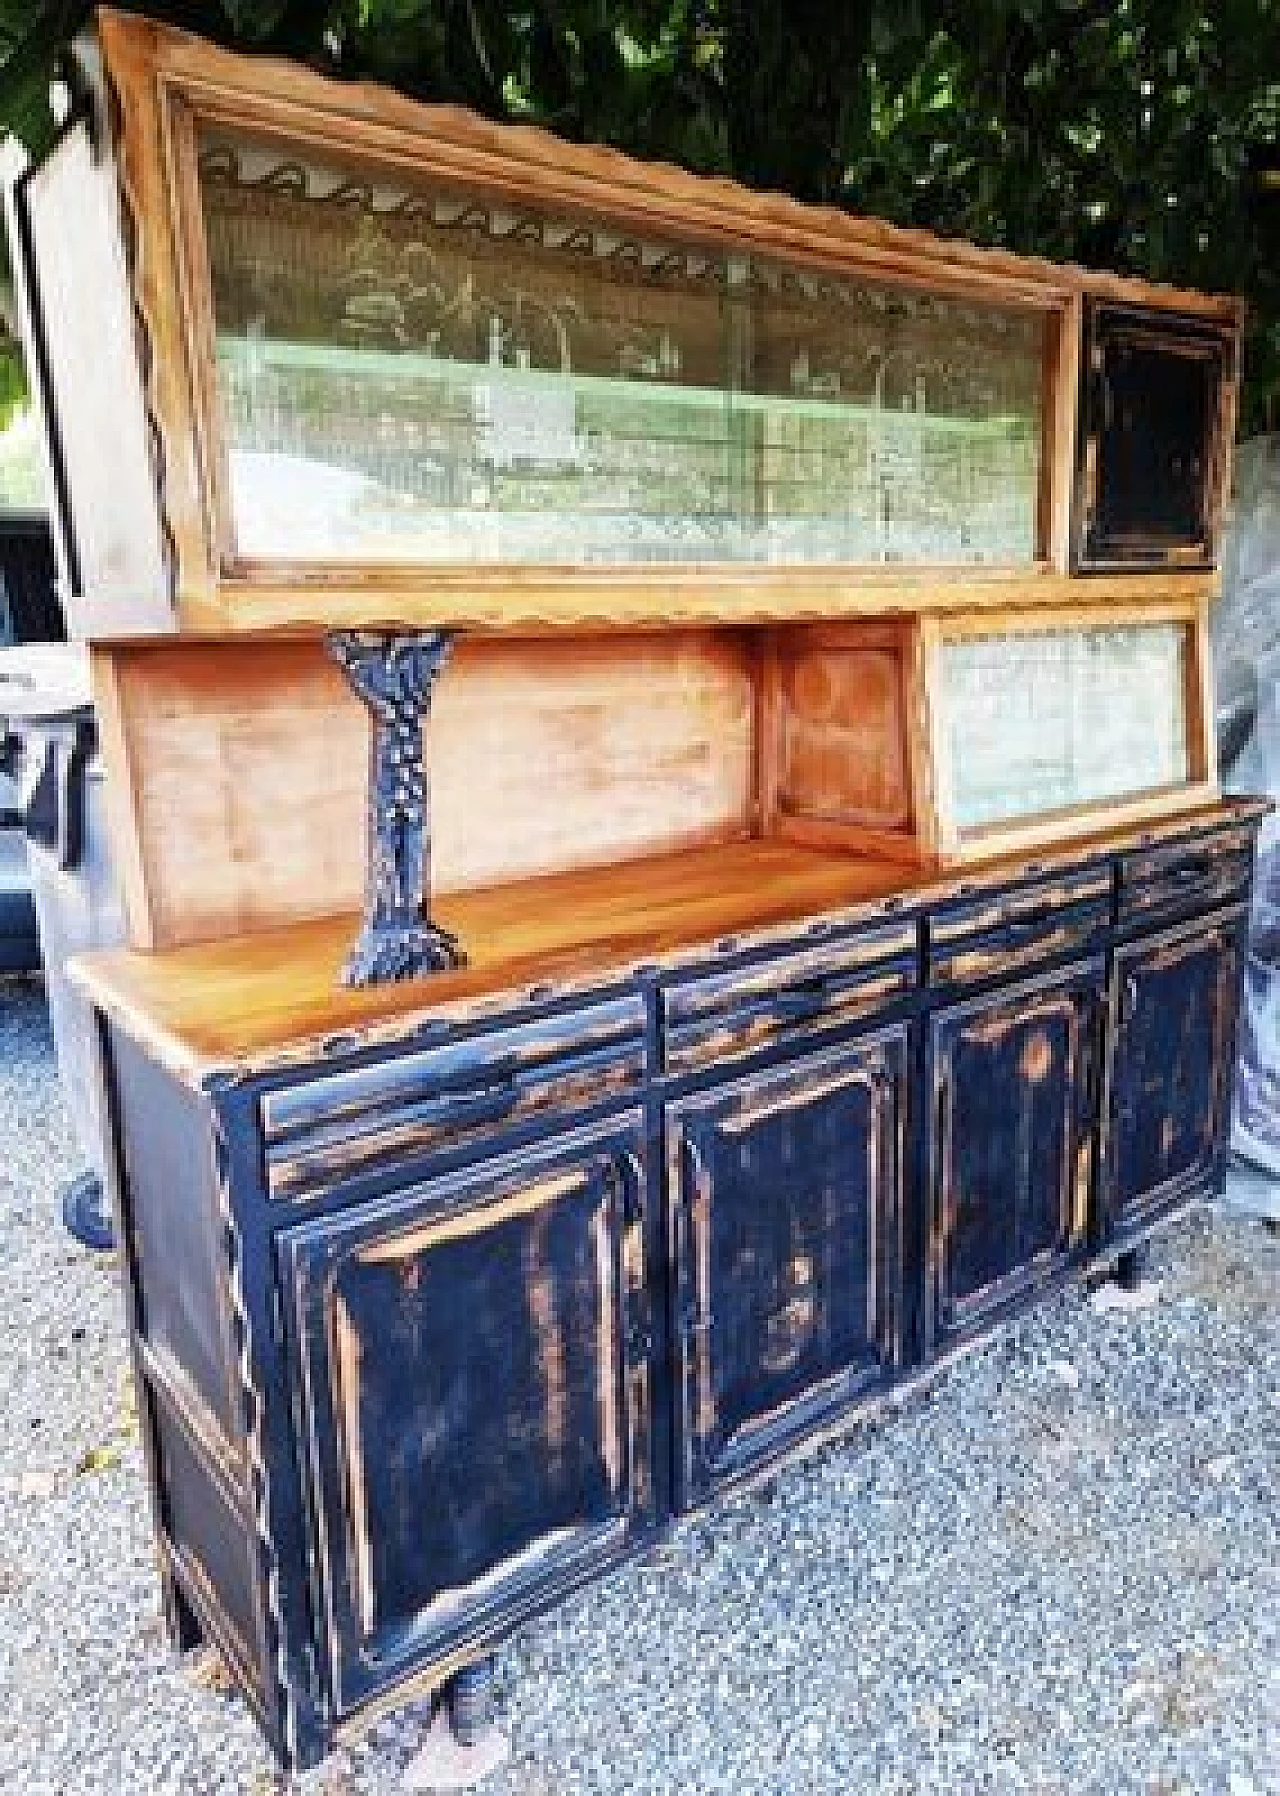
(408, 375)
(1038, 722)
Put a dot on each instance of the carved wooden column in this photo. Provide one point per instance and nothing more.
(393, 676)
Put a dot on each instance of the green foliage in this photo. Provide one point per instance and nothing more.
(1122, 133)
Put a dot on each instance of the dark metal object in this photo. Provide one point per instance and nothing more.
(1130, 1267)
(54, 791)
(470, 1697)
(429, 1333)
(393, 677)
(85, 1214)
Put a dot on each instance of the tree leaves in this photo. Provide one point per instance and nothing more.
(1122, 133)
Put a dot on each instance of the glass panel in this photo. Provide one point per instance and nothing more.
(1045, 720)
(406, 376)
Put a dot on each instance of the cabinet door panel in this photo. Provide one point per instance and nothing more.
(473, 1392)
(785, 1193)
(1175, 1000)
(1011, 1145)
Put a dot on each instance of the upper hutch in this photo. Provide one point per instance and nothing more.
(793, 776)
(806, 527)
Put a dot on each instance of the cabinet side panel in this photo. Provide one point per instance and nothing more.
(184, 1324)
(844, 747)
(190, 1394)
(212, 1553)
(95, 401)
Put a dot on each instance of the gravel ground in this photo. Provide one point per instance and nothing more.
(1055, 1570)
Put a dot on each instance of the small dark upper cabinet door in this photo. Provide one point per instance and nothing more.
(1011, 1151)
(1151, 439)
(1175, 1000)
(785, 1191)
(472, 1392)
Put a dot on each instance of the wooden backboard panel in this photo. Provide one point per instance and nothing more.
(843, 739)
(239, 779)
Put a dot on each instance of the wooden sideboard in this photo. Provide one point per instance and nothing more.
(439, 1310)
(660, 749)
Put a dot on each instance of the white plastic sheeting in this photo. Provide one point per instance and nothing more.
(1246, 635)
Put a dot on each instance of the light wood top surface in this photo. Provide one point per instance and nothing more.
(222, 1004)
(248, 1001)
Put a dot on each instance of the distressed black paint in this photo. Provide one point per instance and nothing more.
(432, 1309)
(463, 1371)
(326, 1130)
(786, 1192)
(1150, 438)
(1175, 999)
(1011, 1145)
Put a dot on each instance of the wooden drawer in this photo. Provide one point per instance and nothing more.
(328, 1129)
(717, 1016)
(995, 934)
(1180, 879)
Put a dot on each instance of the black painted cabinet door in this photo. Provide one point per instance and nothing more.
(1012, 1145)
(785, 1196)
(1150, 444)
(1175, 1000)
(471, 1375)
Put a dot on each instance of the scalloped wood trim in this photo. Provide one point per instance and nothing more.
(138, 126)
(165, 81)
(378, 122)
(530, 601)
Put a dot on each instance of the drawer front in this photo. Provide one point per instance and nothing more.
(1182, 878)
(994, 935)
(714, 1017)
(332, 1128)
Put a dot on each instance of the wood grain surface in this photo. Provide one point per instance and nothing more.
(220, 1005)
(238, 776)
(165, 85)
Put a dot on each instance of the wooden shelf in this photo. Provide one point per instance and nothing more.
(223, 1006)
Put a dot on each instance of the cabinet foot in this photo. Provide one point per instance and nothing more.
(1131, 1267)
(463, 1746)
(469, 1694)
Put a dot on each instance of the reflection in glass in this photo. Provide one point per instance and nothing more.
(408, 376)
(1041, 721)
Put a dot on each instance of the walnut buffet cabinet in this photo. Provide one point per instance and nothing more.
(820, 931)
